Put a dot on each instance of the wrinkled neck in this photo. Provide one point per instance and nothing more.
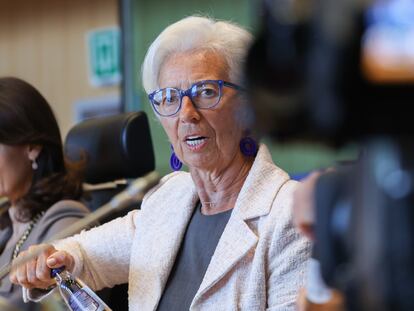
(218, 191)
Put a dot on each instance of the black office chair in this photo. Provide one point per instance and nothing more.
(116, 149)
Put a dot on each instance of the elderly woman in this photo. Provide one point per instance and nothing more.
(39, 185)
(217, 238)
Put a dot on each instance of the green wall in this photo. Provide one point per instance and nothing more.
(151, 17)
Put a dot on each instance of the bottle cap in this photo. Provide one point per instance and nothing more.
(55, 271)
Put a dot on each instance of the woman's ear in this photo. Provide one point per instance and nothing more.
(33, 152)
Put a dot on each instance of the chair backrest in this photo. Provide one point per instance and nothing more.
(115, 148)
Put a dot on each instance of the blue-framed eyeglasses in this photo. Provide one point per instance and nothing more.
(204, 94)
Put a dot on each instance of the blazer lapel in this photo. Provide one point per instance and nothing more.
(238, 239)
(160, 239)
(157, 248)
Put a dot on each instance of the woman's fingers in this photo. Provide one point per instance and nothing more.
(304, 205)
(21, 275)
(59, 259)
(31, 278)
(30, 269)
(42, 270)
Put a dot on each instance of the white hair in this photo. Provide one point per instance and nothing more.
(197, 33)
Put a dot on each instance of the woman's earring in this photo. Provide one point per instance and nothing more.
(175, 162)
(35, 166)
(248, 146)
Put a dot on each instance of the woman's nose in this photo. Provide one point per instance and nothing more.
(188, 112)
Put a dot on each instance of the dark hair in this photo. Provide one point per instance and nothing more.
(27, 118)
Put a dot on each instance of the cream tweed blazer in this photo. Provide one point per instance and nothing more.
(258, 264)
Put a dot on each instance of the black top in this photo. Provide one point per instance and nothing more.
(200, 241)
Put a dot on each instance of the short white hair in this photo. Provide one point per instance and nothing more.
(197, 33)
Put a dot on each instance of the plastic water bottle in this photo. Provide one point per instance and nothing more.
(77, 295)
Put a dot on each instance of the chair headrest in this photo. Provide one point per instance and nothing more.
(115, 147)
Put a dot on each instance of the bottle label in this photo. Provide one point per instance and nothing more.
(84, 300)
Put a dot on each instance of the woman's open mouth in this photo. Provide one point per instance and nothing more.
(195, 142)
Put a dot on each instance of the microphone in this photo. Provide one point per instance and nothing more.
(134, 193)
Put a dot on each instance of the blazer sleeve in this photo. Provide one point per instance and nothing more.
(289, 253)
(57, 217)
(102, 254)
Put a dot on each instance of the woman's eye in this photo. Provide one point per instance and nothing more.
(169, 100)
(208, 92)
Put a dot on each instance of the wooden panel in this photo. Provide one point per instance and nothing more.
(44, 43)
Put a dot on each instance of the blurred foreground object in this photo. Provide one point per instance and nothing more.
(336, 303)
(337, 72)
(308, 71)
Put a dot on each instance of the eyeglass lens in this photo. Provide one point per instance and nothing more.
(203, 95)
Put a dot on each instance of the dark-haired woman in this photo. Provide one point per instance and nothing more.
(41, 187)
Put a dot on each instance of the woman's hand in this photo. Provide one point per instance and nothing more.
(304, 203)
(335, 303)
(35, 272)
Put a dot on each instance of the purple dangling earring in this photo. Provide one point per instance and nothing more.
(175, 162)
(248, 146)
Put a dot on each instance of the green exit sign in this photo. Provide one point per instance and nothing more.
(104, 56)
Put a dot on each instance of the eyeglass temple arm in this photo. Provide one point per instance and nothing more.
(234, 86)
